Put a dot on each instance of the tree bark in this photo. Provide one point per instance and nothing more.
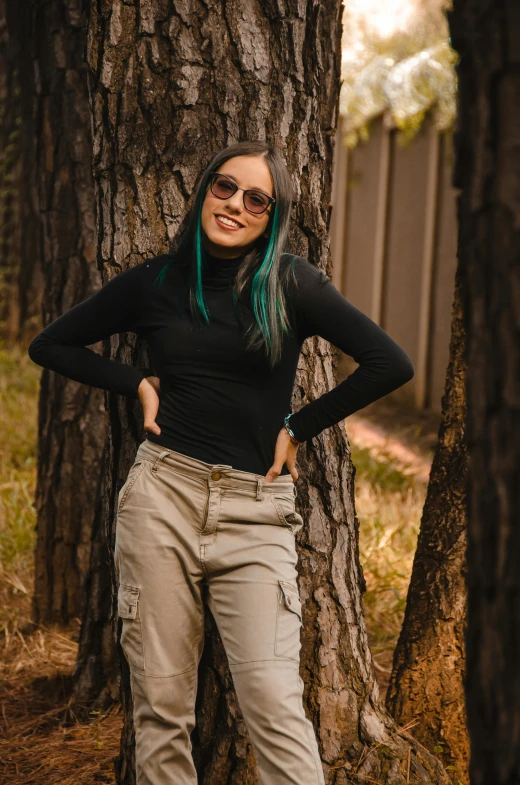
(20, 270)
(72, 422)
(169, 86)
(426, 688)
(487, 171)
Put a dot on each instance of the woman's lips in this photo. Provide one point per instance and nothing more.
(226, 226)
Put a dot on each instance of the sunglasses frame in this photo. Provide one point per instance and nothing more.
(214, 174)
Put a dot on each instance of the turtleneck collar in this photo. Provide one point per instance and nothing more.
(220, 273)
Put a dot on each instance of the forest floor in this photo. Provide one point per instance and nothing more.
(42, 742)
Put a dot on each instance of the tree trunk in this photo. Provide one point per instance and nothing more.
(20, 270)
(72, 422)
(426, 686)
(169, 86)
(487, 171)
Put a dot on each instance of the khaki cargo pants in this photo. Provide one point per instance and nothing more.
(184, 526)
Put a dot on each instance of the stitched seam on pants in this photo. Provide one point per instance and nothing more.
(171, 469)
(137, 473)
(171, 676)
(137, 729)
(176, 472)
(205, 512)
(136, 628)
(281, 513)
(279, 621)
(265, 659)
(242, 662)
(202, 554)
(311, 745)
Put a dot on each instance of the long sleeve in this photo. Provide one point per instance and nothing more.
(383, 364)
(61, 346)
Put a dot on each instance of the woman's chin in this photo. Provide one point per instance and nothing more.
(222, 240)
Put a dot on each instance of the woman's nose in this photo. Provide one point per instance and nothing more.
(236, 201)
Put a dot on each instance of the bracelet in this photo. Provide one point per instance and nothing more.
(289, 431)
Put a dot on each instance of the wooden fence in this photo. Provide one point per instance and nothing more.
(394, 245)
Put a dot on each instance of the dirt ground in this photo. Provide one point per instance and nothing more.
(41, 741)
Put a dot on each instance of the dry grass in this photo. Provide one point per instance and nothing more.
(42, 742)
(390, 491)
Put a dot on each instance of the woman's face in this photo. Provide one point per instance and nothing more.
(247, 172)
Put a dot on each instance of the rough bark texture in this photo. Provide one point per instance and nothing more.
(170, 84)
(10, 154)
(487, 36)
(426, 688)
(20, 270)
(72, 422)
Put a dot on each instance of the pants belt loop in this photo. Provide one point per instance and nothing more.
(158, 460)
(259, 489)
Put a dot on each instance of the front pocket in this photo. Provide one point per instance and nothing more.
(288, 621)
(135, 471)
(131, 634)
(286, 511)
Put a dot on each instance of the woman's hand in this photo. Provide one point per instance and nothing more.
(284, 452)
(148, 392)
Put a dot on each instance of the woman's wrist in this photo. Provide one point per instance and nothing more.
(287, 427)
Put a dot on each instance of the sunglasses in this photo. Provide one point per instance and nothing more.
(223, 187)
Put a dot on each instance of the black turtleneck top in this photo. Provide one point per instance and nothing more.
(218, 402)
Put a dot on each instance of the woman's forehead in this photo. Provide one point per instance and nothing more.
(248, 172)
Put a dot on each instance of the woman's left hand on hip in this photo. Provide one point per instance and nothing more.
(284, 452)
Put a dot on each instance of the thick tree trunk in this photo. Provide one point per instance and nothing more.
(96, 675)
(20, 269)
(487, 36)
(72, 421)
(10, 154)
(426, 686)
(170, 85)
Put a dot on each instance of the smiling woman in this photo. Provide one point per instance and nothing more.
(225, 315)
(238, 202)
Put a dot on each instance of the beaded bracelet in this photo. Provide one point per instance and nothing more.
(287, 428)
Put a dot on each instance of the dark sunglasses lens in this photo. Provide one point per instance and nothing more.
(255, 202)
(223, 187)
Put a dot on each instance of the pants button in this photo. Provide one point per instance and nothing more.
(216, 476)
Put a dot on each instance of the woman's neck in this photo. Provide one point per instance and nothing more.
(218, 272)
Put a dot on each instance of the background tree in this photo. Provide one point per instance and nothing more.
(487, 37)
(47, 208)
(169, 86)
(20, 271)
(426, 687)
(56, 196)
(71, 420)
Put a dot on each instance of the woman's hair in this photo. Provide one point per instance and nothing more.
(260, 273)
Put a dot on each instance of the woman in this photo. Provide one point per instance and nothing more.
(209, 504)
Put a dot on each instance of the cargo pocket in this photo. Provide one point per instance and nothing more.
(286, 511)
(131, 633)
(288, 622)
(135, 470)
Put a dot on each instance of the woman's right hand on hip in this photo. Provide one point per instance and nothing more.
(148, 392)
